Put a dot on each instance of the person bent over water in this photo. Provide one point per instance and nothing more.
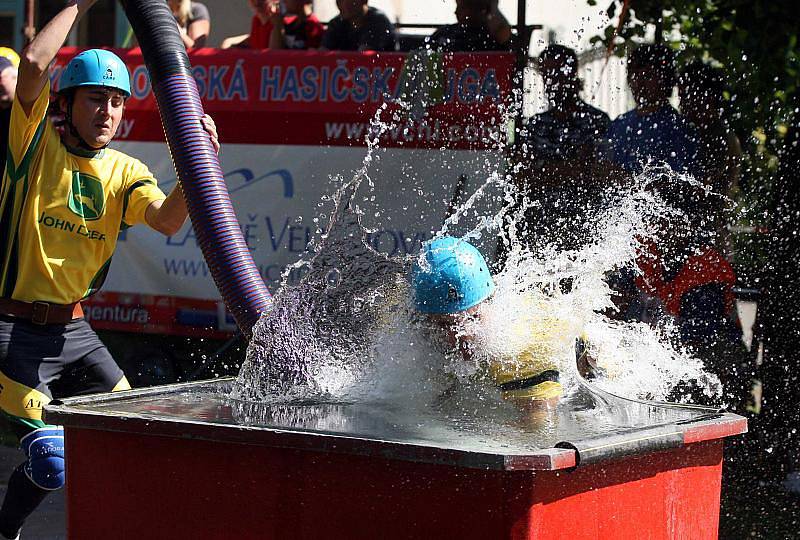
(451, 286)
(64, 198)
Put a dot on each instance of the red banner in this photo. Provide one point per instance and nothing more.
(327, 98)
(154, 314)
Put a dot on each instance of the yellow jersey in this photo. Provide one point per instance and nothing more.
(61, 210)
(532, 374)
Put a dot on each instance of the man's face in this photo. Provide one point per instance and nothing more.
(559, 79)
(698, 103)
(96, 114)
(351, 9)
(8, 86)
(648, 86)
(467, 14)
(453, 331)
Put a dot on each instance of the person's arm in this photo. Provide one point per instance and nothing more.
(278, 34)
(199, 27)
(36, 58)
(197, 34)
(167, 216)
(236, 41)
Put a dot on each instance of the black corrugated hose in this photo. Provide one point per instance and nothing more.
(196, 163)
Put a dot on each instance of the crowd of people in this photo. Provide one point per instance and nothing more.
(292, 24)
(571, 154)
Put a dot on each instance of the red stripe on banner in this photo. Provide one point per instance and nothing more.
(326, 98)
(153, 314)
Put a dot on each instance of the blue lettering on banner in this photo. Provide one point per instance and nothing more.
(290, 86)
(216, 87)
(380, 83)
(199, 73)
(393, 243)
(468, 86)
(238, 86)
(314, 84)
(270, 83)
(489, 86)
(239, 179)
(360, 91)
(323, 84)
(339, 78)
(308, 83)
(295, 242)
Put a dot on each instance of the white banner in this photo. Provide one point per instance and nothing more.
(278, 192)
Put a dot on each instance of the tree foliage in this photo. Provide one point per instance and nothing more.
(754, 42)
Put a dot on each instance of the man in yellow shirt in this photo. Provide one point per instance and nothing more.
(450, 282)
(63, 200)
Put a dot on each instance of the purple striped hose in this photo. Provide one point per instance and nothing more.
(199, 174)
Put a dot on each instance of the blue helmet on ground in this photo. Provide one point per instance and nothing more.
(450, 276)
(96, 67)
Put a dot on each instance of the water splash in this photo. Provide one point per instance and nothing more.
(347, 332)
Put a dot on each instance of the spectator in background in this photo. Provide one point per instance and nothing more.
(193, 20)
(8, 85)
(719, 152)
(296, 29)
(653, 130)
(471, 32)
(359, 27)
(556, 156)
(681, 274)
(499, 27)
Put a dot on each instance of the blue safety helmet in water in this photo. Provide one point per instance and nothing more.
(450, 276)
(96, 67)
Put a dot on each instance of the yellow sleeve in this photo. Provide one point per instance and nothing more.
(141, 191)
(25, 132)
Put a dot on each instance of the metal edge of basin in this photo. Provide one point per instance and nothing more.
(75, 412)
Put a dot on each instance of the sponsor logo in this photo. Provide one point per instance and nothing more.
(86, 198)
(117, 314)
(64, 225)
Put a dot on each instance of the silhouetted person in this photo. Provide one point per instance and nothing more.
(556, 156)
(719, 152)
(359, 27)
(471, 33)
(681, 274)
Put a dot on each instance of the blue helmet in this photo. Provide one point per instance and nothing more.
(96, 67)
(451, 276)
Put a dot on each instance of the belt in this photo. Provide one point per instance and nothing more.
(551, 375)
(41, 312)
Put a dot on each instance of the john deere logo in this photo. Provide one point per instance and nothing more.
(452, 294)
(86, 198)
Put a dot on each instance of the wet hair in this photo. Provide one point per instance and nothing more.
(655, 58)
(562, 54)
(704, 77)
